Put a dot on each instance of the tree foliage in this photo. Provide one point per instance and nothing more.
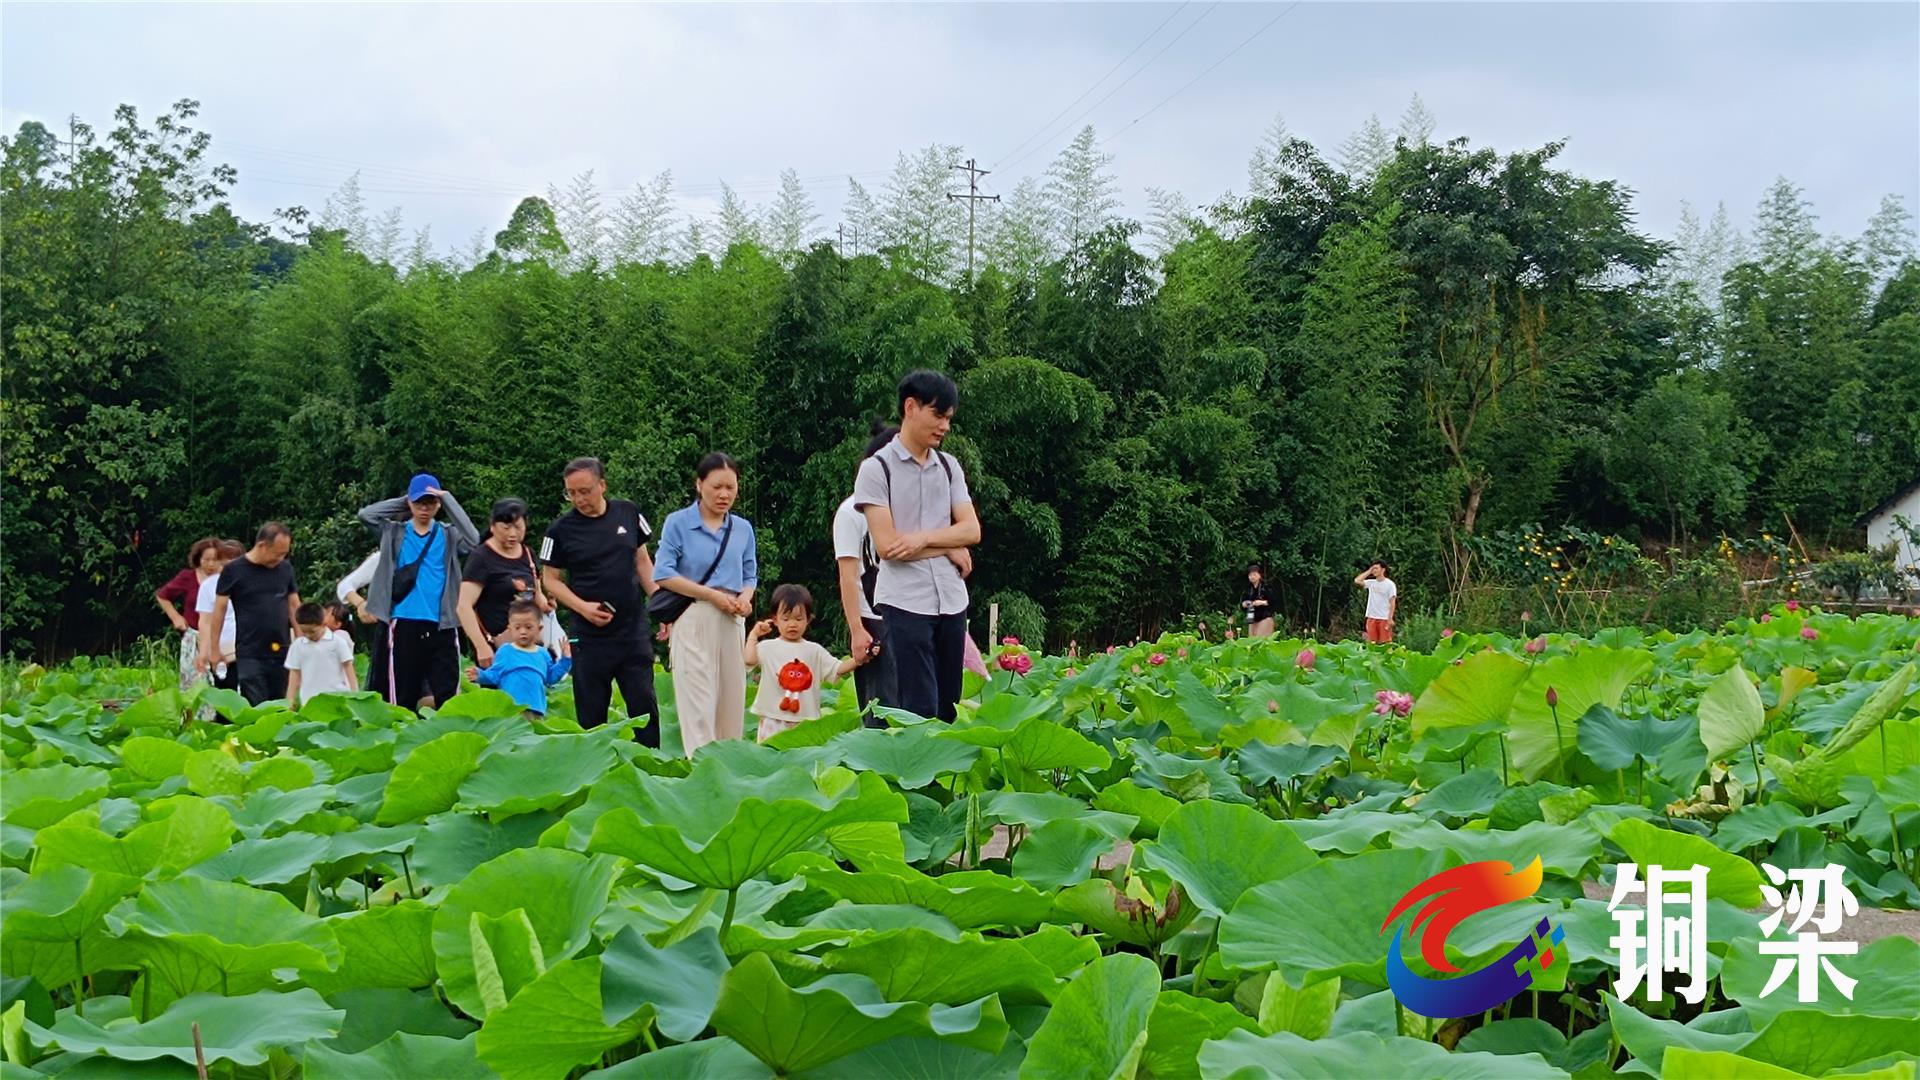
(1385, 360)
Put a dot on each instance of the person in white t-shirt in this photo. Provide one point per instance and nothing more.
(224, 673)
(859, 574)
(320, 661)
(792, 668)
(1383, 602)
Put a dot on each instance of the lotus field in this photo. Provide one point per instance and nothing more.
(1174, 860)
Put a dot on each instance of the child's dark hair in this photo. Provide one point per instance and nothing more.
(787, 597)
(308, 614)
(523, 607)
(338, 610)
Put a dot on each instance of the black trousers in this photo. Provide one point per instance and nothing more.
(423, 660)
(929, 656)
(599, 663)
(262, 678)
(873, 681)
(377, 660)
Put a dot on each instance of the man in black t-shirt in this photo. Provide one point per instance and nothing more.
(601, 545)
(257, 591)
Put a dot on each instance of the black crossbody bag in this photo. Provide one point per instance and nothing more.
(665, 606)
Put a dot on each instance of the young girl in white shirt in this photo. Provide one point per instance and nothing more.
(791, 667)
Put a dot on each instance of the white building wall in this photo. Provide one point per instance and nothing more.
(1882, 531)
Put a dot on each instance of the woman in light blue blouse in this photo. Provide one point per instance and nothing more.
(707, 555)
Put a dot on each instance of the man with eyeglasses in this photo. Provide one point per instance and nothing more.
(416, 589)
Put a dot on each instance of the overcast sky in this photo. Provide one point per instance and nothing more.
(451, 112)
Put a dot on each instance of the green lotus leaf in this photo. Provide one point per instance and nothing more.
(1217, 851)
(917, 965)
(1040, 745)
(1685, 1063)
(1181, 1024)
(388, 946)
(237, 1029)
(562, 893)
(1581, 680)
(1264, 763)
(1265, 928)
(1883, 704)
(1307, 1011)
(235, 929)
(451, 846)
(60, 903)
(1884, 970)
(1060, 853)
(1469, 795)
(708, 1059)
(916, 1057)
(1647, 1037)
(968, 898)
(681, 981)
(1098, 1026)
(1036, 808)
(1478, 692)
(792, 1030)
(1564, 850)
(1817, 1043)
(554, 1024)
(1100, 906)
(1729, 877)
(1731, 714)
(154, 759)
(1245, 1056)
(376, 1014)
(214, 772)
(263, 861)
(536, 773)
(180, 831)
(1151, 807)
(36, 798)
(429, 780)
(911, 757)
(401, 1054)
(700, 830)
(1612, 741)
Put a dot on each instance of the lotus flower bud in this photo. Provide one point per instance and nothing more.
(1536, 646)
(1553, 698)
(1157, 659)
(1808, 633)
(1304, 659)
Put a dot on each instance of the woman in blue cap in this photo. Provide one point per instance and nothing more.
(416, 589)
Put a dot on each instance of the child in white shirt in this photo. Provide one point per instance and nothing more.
(320, 661)
(791, 667)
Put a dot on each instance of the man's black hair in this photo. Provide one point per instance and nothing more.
(787, 597)
(271, 531)
(929, 388)
(309, 614)
(584, 464)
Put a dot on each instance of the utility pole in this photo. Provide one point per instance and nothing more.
(974, 198)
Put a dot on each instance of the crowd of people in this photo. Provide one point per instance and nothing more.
(435, 587)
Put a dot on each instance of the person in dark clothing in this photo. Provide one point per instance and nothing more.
(416, 589)
(1257, 602)
(594, 562)
(499, 573)
(257, 591)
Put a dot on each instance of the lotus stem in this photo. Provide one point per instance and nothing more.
(199, 1051)
(1754, 749)
(78, 990)
(1503, 759)
(407, 869)
(1559, 744)
(1893, 823)
(726, 918)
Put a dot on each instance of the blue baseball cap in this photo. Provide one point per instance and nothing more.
(422, 484)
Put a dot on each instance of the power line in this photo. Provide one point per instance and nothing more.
(1084, 113)
(1096, 83)
(1248, 40)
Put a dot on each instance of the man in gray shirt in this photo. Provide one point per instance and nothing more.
(915, 499)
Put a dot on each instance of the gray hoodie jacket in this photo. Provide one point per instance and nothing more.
(388, 518)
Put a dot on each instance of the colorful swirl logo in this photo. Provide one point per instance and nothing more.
(1452, 896)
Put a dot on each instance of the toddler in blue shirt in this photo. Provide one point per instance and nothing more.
(522, 666)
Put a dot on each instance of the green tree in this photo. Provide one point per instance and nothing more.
(1683, 455)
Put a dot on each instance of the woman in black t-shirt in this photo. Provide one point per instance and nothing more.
(1257, 602)
(500, 571)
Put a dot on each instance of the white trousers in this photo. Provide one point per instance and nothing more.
(709, 675)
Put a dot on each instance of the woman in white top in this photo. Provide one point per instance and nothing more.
(351, 593)
(225, 674)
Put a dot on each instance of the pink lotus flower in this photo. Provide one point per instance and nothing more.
(1229, 633)
(1553, 698)
(1008, 661)
(1793, 605)
(1808, 633)
(1009, 640)
(1766, 616)
(1526, 616)
(1111, 649)
(1304, 659)
(1272, 705)
(1157, 659)
(1536, 646)
(1447, 633)
(1183, 652)
(1392, 702)
(1068, 673)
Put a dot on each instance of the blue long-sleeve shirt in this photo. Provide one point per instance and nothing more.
(688, 546)
(525, 675)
